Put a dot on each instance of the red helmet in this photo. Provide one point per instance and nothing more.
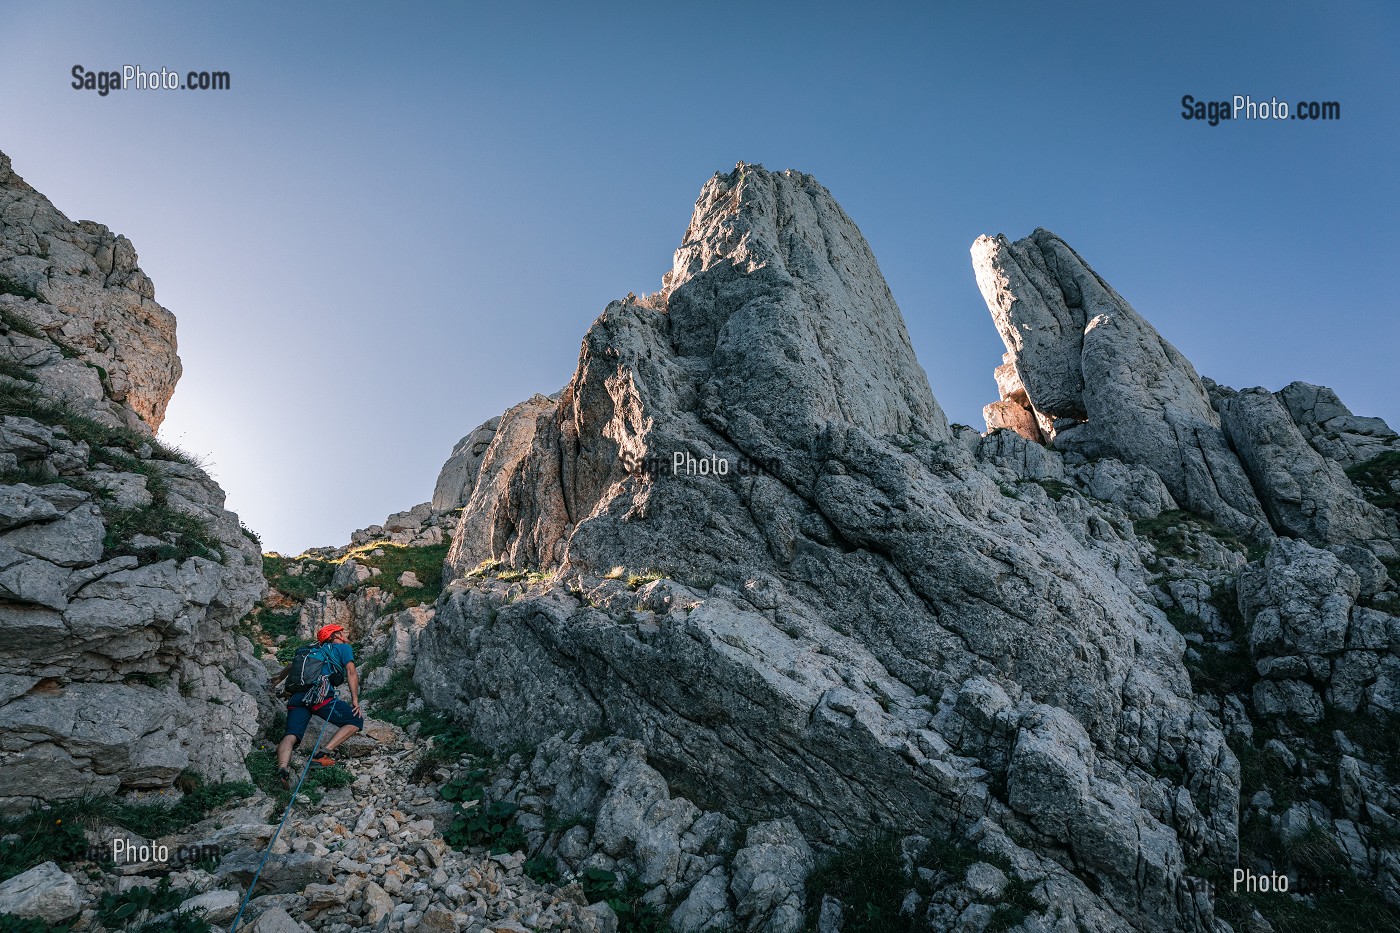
(326, 631)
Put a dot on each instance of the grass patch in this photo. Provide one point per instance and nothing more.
(1055, 489)
(182, 535)
(1261, 770)
(9, 923)
(1171, 535)
(1184, 621)
(1017, 903)
(487, 566)
(314, 577)
(52, 834)
(638, 580)
(153, 820)
(13, 321)
(390, 701)
(262, 766)
(1377, 732)
(9, 286)
(276, 624)
(1219, 671)
(1350, 907)
(870, 881)
(1379, 479)
(425, 562)
(55, 833)
(25, 402)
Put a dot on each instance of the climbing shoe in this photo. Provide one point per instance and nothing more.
(284, 777)
(324, 761)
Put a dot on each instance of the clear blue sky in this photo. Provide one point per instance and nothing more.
(403, 217)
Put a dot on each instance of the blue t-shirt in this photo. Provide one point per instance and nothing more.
(342, 652)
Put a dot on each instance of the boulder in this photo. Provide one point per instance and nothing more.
(44, 892)
(1107, 382)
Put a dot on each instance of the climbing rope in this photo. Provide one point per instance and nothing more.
(305, 769)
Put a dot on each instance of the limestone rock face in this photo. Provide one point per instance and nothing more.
(1107, 382)
(845, 618)
(1304, 493)
(458, 475)
(121, 572)
(1332, 429)
(79, 312)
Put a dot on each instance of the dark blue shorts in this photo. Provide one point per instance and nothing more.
(337, 712)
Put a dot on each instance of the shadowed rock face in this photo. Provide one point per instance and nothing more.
(78, 284)
(118, 669)
(1305, 494)
(868, 635)
(457, 477)
(1104, 382)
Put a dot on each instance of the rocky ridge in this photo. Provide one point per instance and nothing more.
(893, 627)
(121, 573)
(1069, 674)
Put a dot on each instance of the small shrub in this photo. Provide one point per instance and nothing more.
(492, 825)
(9, 923)
(632, 915)
(542, 869)
(114, 908)
(251, 535)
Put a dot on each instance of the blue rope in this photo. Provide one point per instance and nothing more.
(305, 769)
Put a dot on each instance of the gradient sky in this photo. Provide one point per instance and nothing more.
(403, 217)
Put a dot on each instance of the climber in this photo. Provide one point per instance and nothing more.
(312, 676)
